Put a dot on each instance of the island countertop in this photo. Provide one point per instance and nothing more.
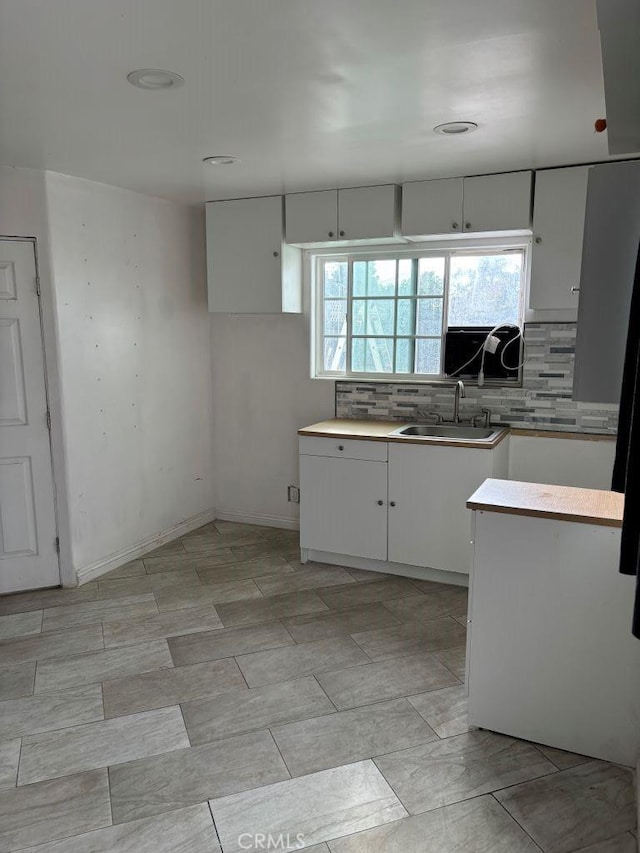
(565, 503)
(371, 430)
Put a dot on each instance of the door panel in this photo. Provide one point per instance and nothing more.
(429, 524)
(311, 217)
(17, 519)
(432, 207)
(8, 280)
(12, 399)
(244, 255)
(343, 506)
(558, 226)
(28, 557)
(367, 213)
(498, 202)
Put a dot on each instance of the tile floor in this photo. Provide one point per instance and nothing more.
(217, 692)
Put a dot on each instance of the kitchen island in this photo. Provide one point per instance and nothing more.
(550, 655)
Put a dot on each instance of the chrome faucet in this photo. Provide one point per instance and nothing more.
(458, 393)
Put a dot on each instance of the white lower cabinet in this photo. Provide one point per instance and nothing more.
(429, 524)
(410, 510)
(343, 506)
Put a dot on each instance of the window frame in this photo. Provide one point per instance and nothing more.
(316, 257)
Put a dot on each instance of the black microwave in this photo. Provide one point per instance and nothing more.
(463, 352)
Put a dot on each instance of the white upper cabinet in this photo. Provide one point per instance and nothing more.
(498, 202)
(250, 270)
(432, 207)
(368, 213)
(327, 216)
(467, 205)
(558, 225)
(312, 217)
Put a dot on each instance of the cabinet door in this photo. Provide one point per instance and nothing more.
(430, 524)
(367, 213)
(343, 506)
(432, 207)
(558, 225)
(244, 255)
(498, 202)
(311, 217)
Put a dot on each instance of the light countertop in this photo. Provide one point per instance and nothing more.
(370, 430)
(565, 503)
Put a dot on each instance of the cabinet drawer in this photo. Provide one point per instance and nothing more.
(348, 448)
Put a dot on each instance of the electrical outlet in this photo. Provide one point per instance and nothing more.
(293, 494)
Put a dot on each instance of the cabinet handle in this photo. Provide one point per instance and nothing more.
(538, 240)
(380, 503)
(276, 254)
(342, 233)
(467, 225)
(330, 233)
(341, 447)
(455, 225)
(392, 503)
(575, 289)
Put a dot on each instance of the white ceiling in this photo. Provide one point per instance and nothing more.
(308, 93)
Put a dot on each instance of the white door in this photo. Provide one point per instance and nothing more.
(28, 556)
(428, 490)
(558, 226)
(498, 202)
(244, 255)
(432, 207)
(311, 217)
(367, 213)
(343, 506)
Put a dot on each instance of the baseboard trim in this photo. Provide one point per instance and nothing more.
(422, 573)
(120, 558)
(259, 520)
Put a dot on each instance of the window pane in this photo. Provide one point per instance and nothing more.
(429, 317)
(373, 316)
(372, 355)
(335, 352)
(485, 289)
(428, 356)
(404, 356)
(406, 317)
(359, 278)
(431, 276)
(335, 316)
(374, 278)
(406, 283)
(335, 279)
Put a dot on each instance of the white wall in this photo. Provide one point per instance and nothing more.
(263, 395)
(585, 463)
(133, 329)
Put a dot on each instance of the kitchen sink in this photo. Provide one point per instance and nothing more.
(461, 432)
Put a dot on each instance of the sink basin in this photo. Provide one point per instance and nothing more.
(460, 432)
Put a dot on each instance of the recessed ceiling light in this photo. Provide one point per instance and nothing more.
(454, 128)
(155, 78)
(221, 160)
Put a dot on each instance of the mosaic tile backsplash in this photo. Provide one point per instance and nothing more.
(543, 402)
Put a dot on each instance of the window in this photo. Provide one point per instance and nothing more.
(386, 314)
